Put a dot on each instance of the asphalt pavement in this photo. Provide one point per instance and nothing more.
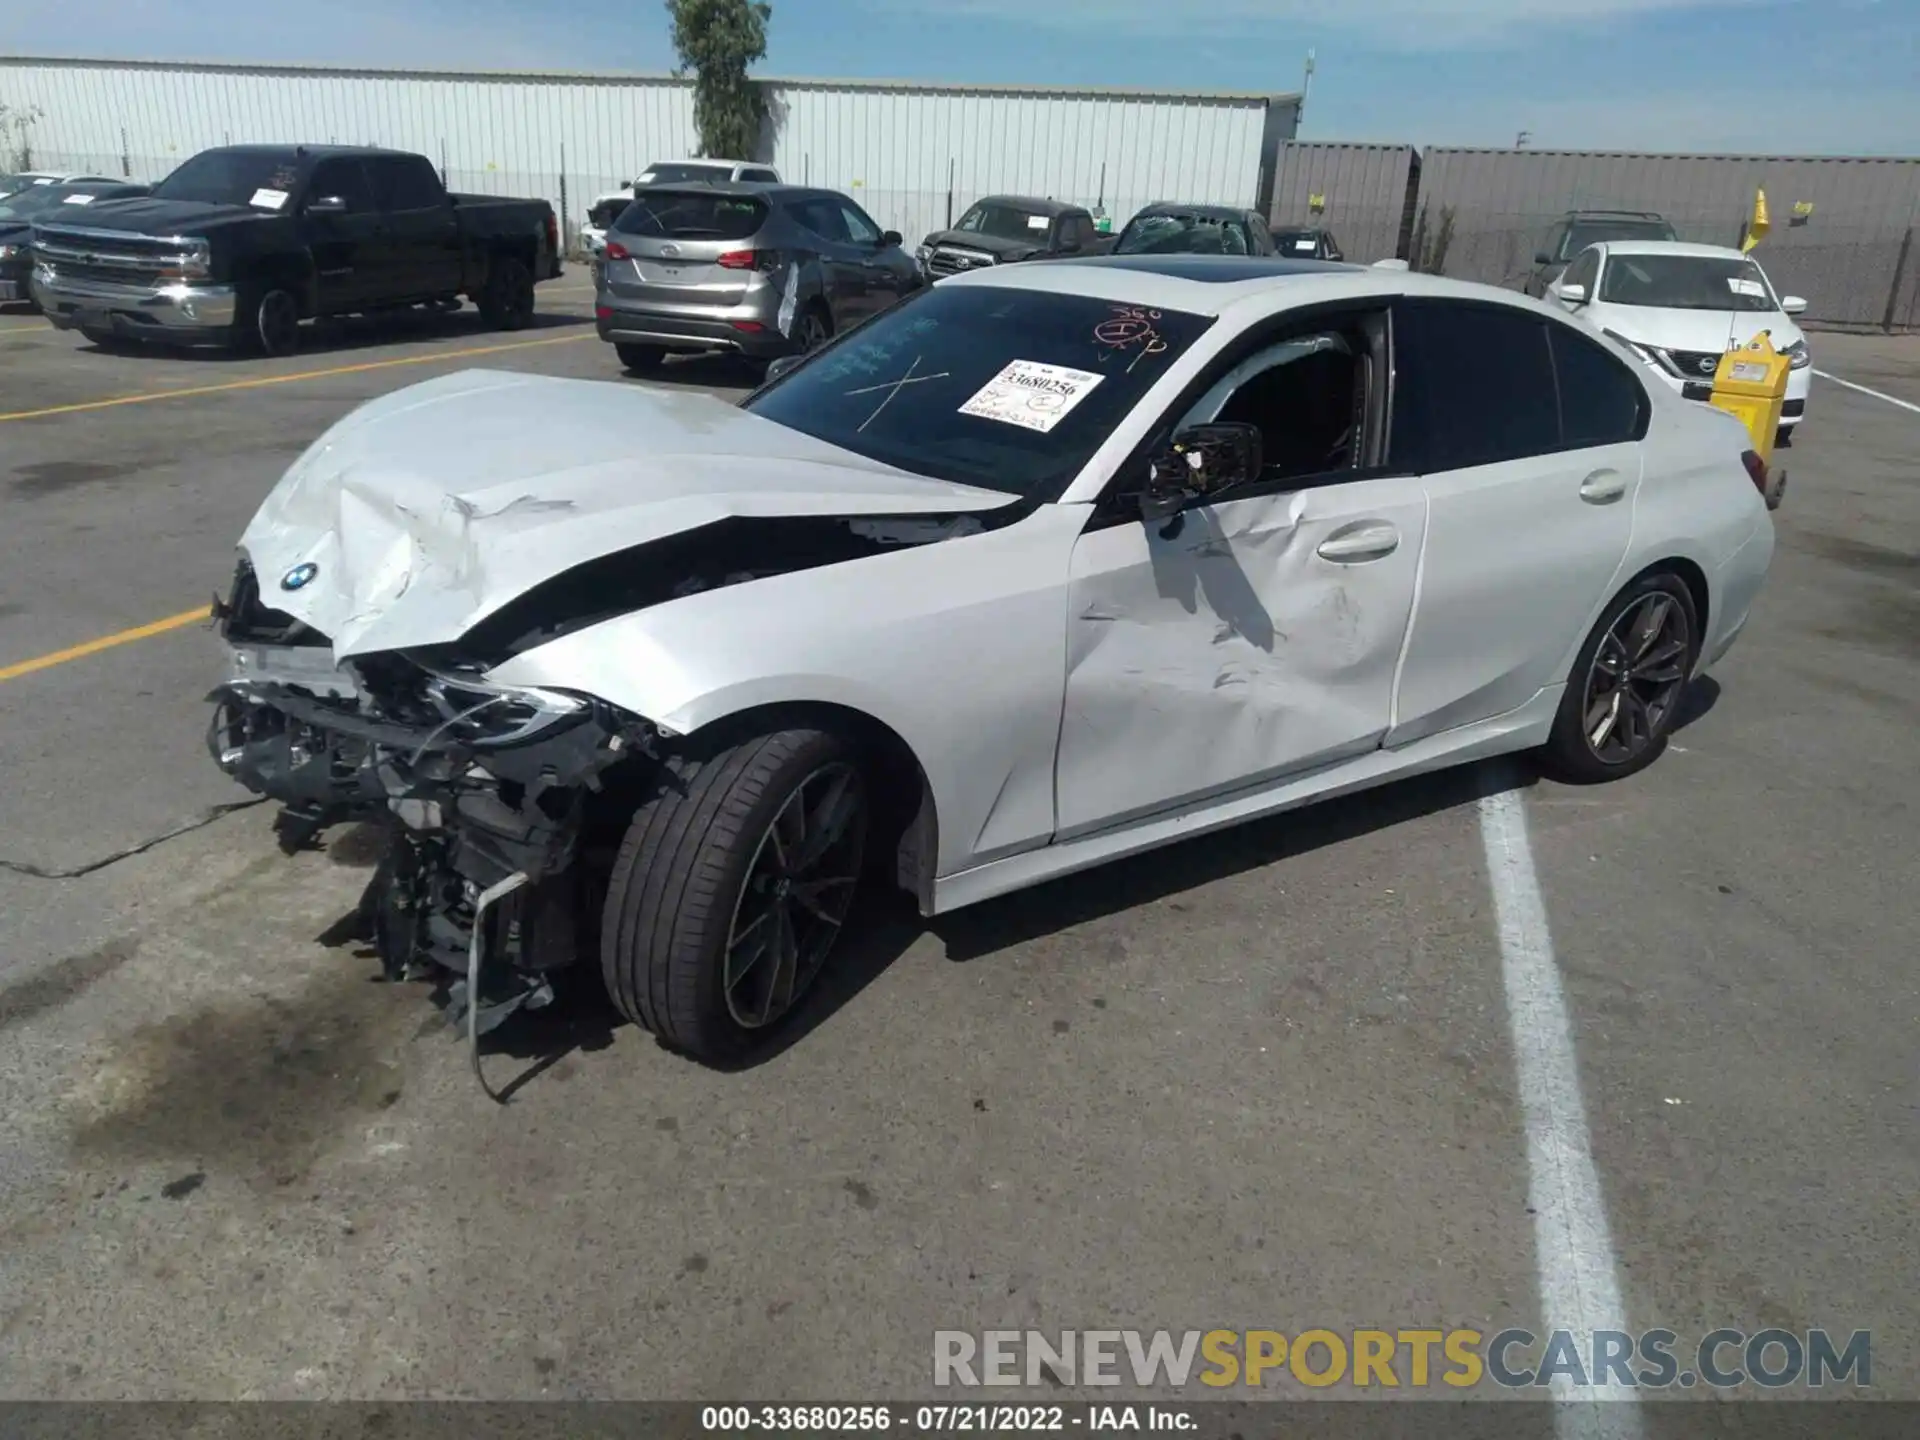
(1266, 1079)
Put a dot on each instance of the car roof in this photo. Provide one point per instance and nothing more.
(1671, 247)
(1032, 203)
(1616, 215)
(758, 189)
(82, 187)
(1215, 284)
(1181, 207)
(315, 152)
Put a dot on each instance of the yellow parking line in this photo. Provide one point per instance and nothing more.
(26, 330)
(105, 642)
(263, 380)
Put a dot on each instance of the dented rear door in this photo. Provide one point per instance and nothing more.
(1258, 639)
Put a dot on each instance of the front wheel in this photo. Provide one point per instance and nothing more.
(732, 888)
(507, 301)
(1627, 684)
(268, 323)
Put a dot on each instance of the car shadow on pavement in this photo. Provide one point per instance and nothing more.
(703, 370)
(343, 336)
(582, 1019)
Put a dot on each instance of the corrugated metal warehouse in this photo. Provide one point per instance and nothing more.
(911, 154)
(1840, 226)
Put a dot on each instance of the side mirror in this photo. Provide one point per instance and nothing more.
(1570, 294)
(1793, 305)
(1540, 257)
(780, 365)
(891, 237)
(1202, 460)
(327, 205)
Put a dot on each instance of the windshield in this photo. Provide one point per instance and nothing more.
(674, 173)
(693, 215)
(1006, 389)
(263, 179)
(1182, 235)
(1583, 233)
(1005, 222)
(1686, 282)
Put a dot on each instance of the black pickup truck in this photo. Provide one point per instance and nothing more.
(1004, 228)
(240, 244)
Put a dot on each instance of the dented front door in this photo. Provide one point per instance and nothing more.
(1260, 637)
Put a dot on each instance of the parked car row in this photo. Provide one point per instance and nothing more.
(241, 244)
(47, 199)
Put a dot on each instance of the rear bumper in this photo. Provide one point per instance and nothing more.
(173, 309)
(746, 331)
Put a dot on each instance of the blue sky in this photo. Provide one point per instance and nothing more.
(1784, 76)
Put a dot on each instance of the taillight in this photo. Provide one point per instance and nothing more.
(738, 260)
(1756, 470)
(553, 232)
(617, 251)
(603, 312)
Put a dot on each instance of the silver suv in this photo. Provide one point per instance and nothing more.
(758, 270)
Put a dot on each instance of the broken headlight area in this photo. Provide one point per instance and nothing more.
(476, 786)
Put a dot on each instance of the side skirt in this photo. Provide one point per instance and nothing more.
(1521, 729)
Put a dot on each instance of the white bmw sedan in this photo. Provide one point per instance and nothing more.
(1681, 307)
(1047, 565)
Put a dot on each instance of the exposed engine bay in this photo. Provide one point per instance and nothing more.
(473, 784)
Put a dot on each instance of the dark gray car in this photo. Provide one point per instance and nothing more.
(1171, 228)
(1578, 229)
(758, 270)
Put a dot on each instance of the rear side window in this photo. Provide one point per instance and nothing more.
(404, 182)
(1601, 402)
(1474, 385)
(691, 215)
(823, 217)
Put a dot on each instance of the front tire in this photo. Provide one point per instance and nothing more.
(268, 323)
(1627, 685)
(507, 301)
(732, 888)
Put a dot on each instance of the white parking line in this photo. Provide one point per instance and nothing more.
(1890, 399)
(1579, 1286)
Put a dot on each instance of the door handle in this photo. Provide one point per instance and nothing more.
(1361, 541)
(1603, 487)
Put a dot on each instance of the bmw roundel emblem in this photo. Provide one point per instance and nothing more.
(300, 576)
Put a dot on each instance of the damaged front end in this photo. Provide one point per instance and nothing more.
(484, 793)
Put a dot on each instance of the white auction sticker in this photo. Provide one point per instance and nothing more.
(1031, 395)
(1036, 222)
(1746, 287)
(78, 200)
(269, 199)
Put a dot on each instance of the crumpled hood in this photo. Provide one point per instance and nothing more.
(995, 245)
(1707, 330)
(428, 509)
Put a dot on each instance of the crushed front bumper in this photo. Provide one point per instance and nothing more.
(388, 741)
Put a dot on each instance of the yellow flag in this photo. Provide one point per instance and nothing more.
(1758, 226)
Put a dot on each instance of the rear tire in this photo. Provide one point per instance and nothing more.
(1627, 684)
(507, 301)
(641, 357)
(814, 328)
(732, 888)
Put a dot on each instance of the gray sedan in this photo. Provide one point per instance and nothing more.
(757, 270)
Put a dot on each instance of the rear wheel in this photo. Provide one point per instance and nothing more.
(640, 357)
(1627, 684)
(813, 329)
(507, 301)
(732, 888)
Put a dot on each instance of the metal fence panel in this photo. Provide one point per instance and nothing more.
(1838, 222)
(1364, 189)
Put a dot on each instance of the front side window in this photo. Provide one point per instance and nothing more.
(1474, 385)
(1686, 282)
(1583, 271)
(859, 228)
(1304, 393)
(1005, 389)
(346, 179)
